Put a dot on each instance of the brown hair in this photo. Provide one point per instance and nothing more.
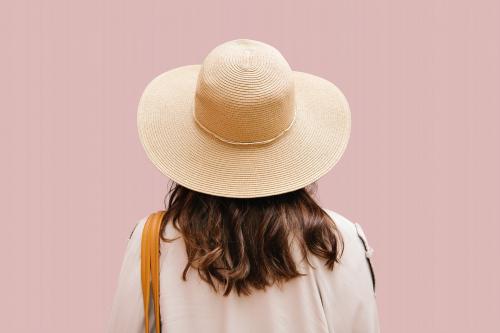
(246, 244)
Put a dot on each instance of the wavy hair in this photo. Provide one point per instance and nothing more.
(246, 244)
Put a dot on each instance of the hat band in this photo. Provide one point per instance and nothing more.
(245, 142)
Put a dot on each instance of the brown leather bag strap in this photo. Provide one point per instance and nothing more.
(145, 270)
(150, 267)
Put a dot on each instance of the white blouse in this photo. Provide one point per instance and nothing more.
(339, 301)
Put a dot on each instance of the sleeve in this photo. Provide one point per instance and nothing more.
(348, 292)
(127, 312)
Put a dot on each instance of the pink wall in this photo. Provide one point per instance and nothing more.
(421, 173)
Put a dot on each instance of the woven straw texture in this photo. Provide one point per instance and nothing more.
(243, 124)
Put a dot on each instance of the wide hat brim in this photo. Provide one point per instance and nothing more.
(195, 159)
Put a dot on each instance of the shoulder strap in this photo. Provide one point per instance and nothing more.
(150, 267)
(368, 251)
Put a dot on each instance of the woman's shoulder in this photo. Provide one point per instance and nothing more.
(169, 231)
(351, 232)
(346, 227)
(350, 286)
(357, 252)
(137, 228)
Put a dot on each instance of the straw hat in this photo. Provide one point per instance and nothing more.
(243, 124)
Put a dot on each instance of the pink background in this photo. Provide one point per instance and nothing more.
(421, 174)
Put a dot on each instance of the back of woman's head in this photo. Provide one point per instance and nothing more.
(246, 244)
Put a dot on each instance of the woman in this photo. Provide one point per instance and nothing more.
(245, 245)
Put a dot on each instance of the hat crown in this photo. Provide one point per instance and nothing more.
(245, 93)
